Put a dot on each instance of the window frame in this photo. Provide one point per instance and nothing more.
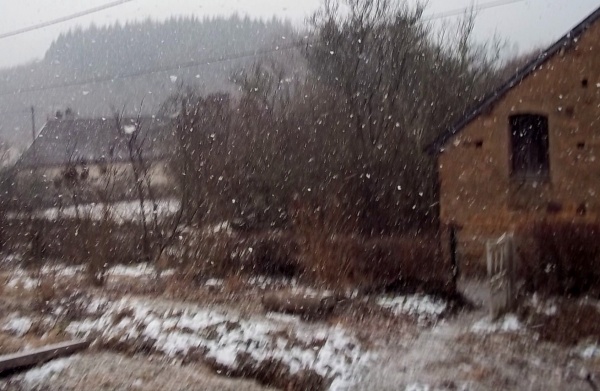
(538, 139)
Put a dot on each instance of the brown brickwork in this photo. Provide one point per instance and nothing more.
(476, 189)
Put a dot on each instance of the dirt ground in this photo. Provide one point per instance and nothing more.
(151, 335)
(451, 356)
(118, 372)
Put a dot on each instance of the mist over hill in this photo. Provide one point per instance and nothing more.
(103, 53)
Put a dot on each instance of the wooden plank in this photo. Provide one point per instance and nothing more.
(18, 360)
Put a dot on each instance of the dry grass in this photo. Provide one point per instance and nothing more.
(333, 253)
(572, 323)
(203, 255)
(75, 241)
(561, 257)
(272, 254)
(406, 264)
(273, 373)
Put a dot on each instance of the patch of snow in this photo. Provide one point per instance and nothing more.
(277, 316)
(223, 227)
(265, 282)
(214, 282)
(18, 325)
(546, 307)
(329, 351)
(424, 308)
(589, 351)
(45, 373)
(119, 212)
(139, 270)
(508, 323)
(63, 270)
(311, 292)
(21, 279)
(129, 129)
(417, 387)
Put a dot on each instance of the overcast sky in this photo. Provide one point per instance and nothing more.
(526, 24)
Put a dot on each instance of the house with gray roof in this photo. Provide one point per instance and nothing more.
(94, 154)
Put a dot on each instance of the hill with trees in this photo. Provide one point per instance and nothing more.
(117, 54)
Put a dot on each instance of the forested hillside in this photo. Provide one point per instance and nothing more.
(101, 53)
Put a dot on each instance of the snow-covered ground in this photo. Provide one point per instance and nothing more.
(36, 377)
(29, 280)
(508, 323)
(406, 342)
(223, 335)
(175, 329)
(424, 308)
(119, 212)
(18, 325)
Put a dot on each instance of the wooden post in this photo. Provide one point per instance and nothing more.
(32, 124)
(453, 255)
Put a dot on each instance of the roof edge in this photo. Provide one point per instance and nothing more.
(566, 40)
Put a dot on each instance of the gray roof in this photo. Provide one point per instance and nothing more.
(95, 140)
(566, 41)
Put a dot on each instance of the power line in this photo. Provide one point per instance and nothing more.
(63, 19)
(460, 11)
(190, 64)
(23, 111)
(103, 7)
(242, 55)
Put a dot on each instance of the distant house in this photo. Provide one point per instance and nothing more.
(530, 150)
(94, 151)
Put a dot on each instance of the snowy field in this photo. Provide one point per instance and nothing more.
(403, 342)
(119, 212)
(223, 336)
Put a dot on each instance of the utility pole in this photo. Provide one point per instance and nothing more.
(32, 124)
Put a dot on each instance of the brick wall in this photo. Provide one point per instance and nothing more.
(476, 190)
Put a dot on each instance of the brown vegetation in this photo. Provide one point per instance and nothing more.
(560, 257)
(571, 324)
(321, 171)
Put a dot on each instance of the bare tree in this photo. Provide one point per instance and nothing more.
(397, 86)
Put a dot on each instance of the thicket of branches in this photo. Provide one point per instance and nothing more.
(344, 139)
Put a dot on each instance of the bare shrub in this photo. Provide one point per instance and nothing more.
(332, 254)
(404, 263)
(272, 254)
(62, 299)
(204, 255)
(99, 247)
(45, 292)
(571, 324)
(157, 232)
(559, 257)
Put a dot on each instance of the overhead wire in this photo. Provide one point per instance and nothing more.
(15, 111)
(474, 8)
(216, 60)
(178, 66)
(63, 19)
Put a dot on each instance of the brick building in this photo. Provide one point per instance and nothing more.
(529, 151)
